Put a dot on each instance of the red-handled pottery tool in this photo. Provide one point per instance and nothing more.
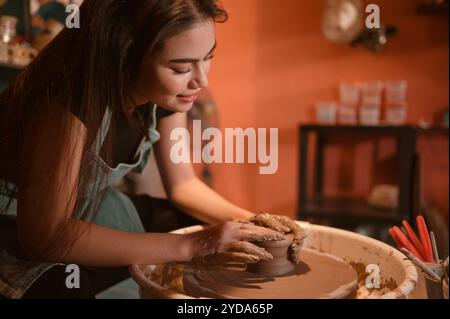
(404, 242)
(413, 238)
(425, 239)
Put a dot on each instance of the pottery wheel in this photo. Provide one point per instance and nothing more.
(318, 275)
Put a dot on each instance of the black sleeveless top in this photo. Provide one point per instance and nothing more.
(127, 139)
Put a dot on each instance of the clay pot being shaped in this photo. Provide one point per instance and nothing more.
(281, 264)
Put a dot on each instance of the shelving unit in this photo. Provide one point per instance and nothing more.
(351, 210)
(11, 66)
(21, 10)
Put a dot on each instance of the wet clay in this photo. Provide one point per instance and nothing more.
(319, 275)
(280, 265)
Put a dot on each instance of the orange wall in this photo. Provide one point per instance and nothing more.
(273, 64)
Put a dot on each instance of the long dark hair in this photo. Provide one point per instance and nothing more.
(82, 71)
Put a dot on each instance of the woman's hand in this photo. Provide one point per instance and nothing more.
(284, 225)
(231, 242)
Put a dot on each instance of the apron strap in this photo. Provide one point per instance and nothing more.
(102, 132)
(154, 119)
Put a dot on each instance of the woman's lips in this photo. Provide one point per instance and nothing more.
(187, 99)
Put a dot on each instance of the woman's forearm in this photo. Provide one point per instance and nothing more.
(203, 203)
(106, 247)
(98, 246)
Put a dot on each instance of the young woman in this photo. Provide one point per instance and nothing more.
(81, 117)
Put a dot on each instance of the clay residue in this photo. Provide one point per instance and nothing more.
(317, 276)
(169, 276)
(386, 284)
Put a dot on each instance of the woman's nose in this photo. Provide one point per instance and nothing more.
(201, 78)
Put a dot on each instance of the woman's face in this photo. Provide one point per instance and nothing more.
(173, 76)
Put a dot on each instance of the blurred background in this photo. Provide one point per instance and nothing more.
(274, 63)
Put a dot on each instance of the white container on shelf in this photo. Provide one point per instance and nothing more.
(372, 94)
(396, 108)
(349, 97)
(349, 93)
(396, 114)
(370, 109)
(348, 114)
(395, 91)
(326, 112)
(369, 115)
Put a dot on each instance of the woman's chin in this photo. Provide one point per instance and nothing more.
(179, 107)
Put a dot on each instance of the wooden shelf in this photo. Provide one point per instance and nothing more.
(356, 128)
(380, 129)
(12, 66)
(348, 210)
(434, 130)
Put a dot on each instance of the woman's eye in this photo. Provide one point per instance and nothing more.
(187, 71)
(181, 71)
